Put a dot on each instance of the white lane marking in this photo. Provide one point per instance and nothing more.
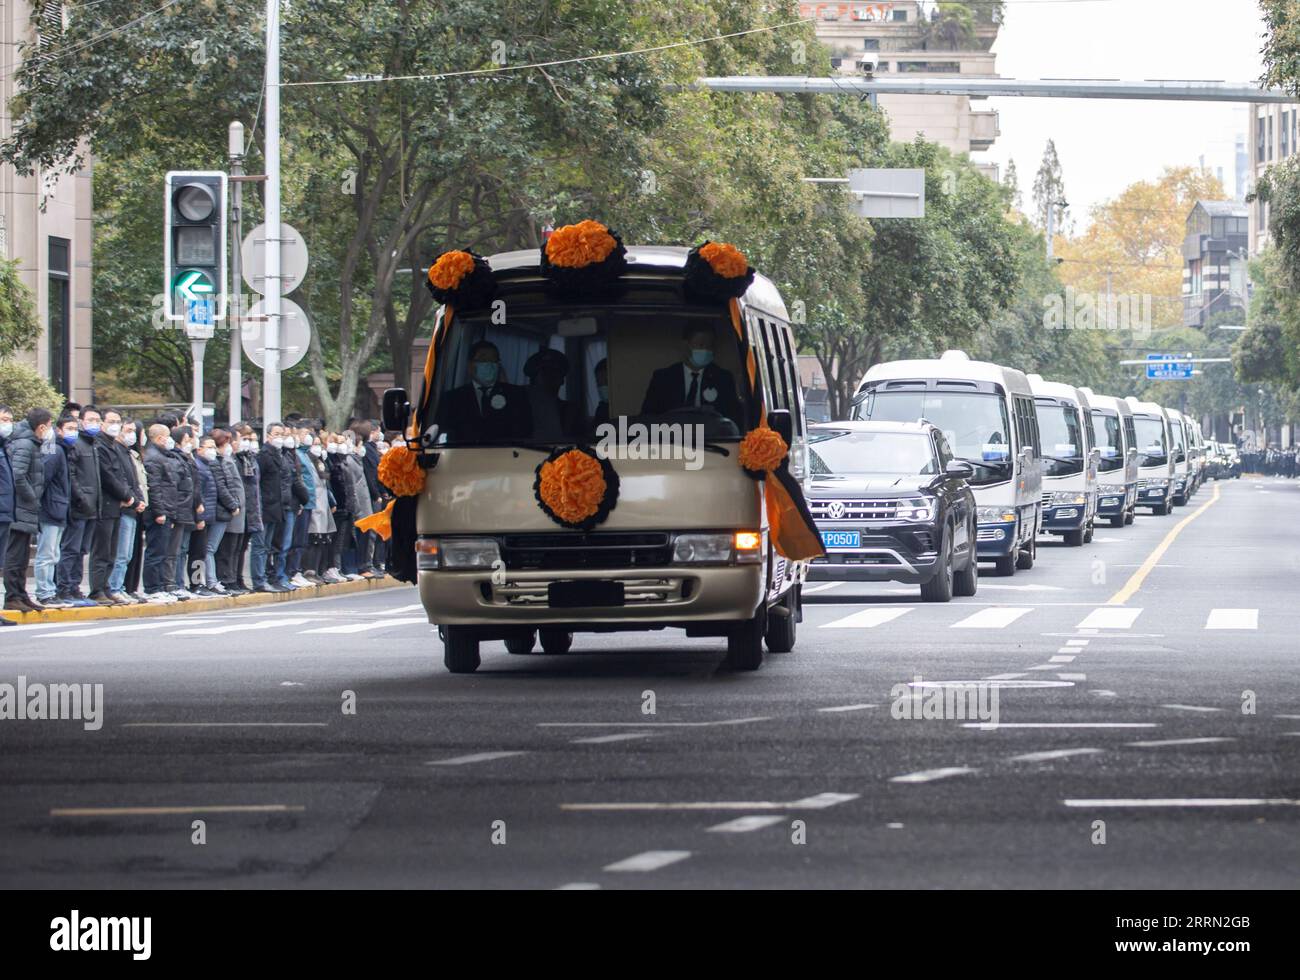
(820, 801)
(820, 587)
(579, 886)
(894, 826)
(124, 628)
(1024, 588)
(847, 707)
(1179, 741)
(1004, 677)
(648, 861)
(238, 627)
(151, 811)
(930, 775)
(989, 726)
(1288, 717)
(1044, 667)
(745, 825)
(1063, 660)
(462, 760)
(991, 619)
(620, 737)
(225, 724)
(1183, 802)
(1077, 643)
(1052, 754)
(291, 683)
(1073, 677)
(1233, 619)
(651, 724)
(1188, 707)
(1011, 683)
(1102, 693)
(414, 607)
(866, 619)
(1115, 618)
(364, 627)
(1083, 631)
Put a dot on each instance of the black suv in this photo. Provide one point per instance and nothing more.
(892, 505)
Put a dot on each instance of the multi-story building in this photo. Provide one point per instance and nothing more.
(1274, 130)
(1216, 242)
(46, 226)
(889, 39)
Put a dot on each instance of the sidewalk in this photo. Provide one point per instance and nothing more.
(148, 611)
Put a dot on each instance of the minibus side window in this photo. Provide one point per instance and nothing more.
(763, 382)
(792, 375)
(775, 375)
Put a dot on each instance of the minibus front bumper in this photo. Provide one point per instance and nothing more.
(995, 539)
(1113, 501)
(1070, 517)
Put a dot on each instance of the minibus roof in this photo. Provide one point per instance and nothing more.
(954, 365)
(1146, 408)
(1056, 389)
(642, 260)
(1107, 402)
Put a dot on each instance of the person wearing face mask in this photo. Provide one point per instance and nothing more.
(297, 567)
(293, 518)
(56, 503)
(277, 500)
(355, 551)
(22, 452)
(124, 581)
(6, 483)
(695, 382)
(319, 517)
(167, 479)
(344, 491)
(229, 485)
(190, 516)
(87, 498)
(118, 495)
(251, 545)
(486, 408)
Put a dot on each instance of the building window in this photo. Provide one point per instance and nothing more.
(1268, 145)
(1194, 267)
(59, 316)
(1259, 140)
(871, 44)
(1284, 133)
(900, 15)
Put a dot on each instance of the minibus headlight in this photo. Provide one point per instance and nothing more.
(749, 546)
(1063, 497)
(995, 515)
(465, 553)
(702, 547)
(1110, 488)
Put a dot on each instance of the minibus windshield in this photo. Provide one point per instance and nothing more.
(1107, 437)
(550, 375)
(1063, 446)
(848, 452)
(974, 423)
(1153, 450)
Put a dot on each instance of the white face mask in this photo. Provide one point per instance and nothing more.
(49, 435)
(227, 450)
(278, 442)
(114, 429)
(210, 455)
(187, 449)
(6, 430)
(252, 447)
(291, 443)
(171, 443)
(307, 440)
(316, 451)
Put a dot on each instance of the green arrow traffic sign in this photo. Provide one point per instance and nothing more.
(193, 284)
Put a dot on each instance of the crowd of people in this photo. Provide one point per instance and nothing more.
(1271, 462)
(125, 511)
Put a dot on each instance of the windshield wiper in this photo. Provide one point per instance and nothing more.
(1062, 459)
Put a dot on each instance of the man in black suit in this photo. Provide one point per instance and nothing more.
(487, 409)
(693, 382)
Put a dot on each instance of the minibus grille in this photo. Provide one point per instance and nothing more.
(596, 549)
(853, 510)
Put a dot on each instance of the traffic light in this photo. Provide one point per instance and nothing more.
(194, 243)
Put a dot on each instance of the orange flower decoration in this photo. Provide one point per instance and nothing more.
(450, 269)
(726, 260)
(573, 486)
(580, 245)
(400, 471)
(762, 450)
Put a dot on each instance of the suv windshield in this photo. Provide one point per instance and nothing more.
(974, 423)
(1062, 436)
(1152, 448)
(1106, 436)
(554, 374)
(846, 451)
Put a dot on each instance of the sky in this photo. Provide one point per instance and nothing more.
(1105, 145)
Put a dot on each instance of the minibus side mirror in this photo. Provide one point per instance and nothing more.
(396, 410)
(780, 421)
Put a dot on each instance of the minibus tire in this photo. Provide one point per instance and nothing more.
(1025, 560)
(460, 650)
(1131, 516)
(1074, 539)
(521, 644)
(1119, 520)
(1005, 565)
(555, 642)
(1087, 535)
(782, 624)
(745, 642)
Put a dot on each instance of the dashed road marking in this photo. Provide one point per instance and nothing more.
(261, 624)
(989, 726)
(847, 707)
(930, 775)
(620, 737)
(349, 628)
(1049, 755)
(867, 618)
(1158, 743)
(1232, 619)
(464, 760)
(998, 617)
(1208, 801)
(1189, 707)
(648, 861)
(745, 825)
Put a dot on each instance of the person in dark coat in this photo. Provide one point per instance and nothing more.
(6, 485)
(56, 504)
(345, 505)
(220, 504)
(169, 493)
(127, 446)
(695, 382)
(252, 543)
(226, 470)
(118, 495)
(277, 501)
(23, 450)
(83, 467)
(486, 408)
(191, 520)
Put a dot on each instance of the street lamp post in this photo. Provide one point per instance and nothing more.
(271, 304)
(235, 148)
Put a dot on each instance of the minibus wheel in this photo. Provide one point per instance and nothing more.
(782, 624)
(1005, 565)
(745, 642)
(1131, 516)
(1119, 520)
(522, 643)
(1087, 535)
(460, 650)
(555, 641)
(1025, 561)
(1074, 539)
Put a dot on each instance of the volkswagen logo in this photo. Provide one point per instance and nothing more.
(836, 510)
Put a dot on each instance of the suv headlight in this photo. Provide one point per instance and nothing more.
(916, 509)
(467, 553)
(1060, 498)
(719, 549)
(995, 515)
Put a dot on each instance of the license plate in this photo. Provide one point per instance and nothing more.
(579, 595)
(842, 539)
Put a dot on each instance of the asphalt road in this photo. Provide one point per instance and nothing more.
(1123, 718)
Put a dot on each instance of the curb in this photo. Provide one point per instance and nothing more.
(97, 613)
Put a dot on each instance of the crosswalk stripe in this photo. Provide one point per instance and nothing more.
(1116, 618)
(123, 628)
(648, 861)
(744, 825)
(1232, 619)
(365, 627)
(866, 619)
(261, 624)
(991, 619)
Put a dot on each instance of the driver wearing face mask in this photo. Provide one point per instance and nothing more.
(695, 382)
(487, 408)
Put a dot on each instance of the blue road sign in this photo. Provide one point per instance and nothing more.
(198, 318)
(1168, 367)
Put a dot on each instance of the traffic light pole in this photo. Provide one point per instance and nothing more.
(271, 376)
(235, 309)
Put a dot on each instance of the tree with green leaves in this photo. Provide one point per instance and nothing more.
(1049, 191)
(1012, 182)
(20, 327)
